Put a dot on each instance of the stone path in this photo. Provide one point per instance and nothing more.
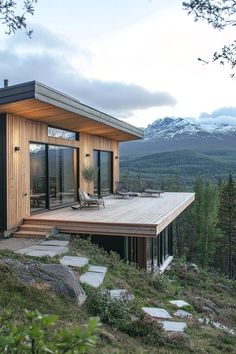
(156, 312)
(15, 244)
(160, 313)
(164, 316)
(74, 261)
(171, 326)
(46, 249)
(95, 276)
(179, 303)
(120, 294)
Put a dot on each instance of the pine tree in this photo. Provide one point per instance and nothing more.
(191, 227)
(208, 230)
(200, 225)
(227, 223)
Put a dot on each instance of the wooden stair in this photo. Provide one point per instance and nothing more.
(34, 231)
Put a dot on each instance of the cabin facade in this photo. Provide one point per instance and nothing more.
(47, 141)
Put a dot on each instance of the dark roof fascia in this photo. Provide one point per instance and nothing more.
(41, 92)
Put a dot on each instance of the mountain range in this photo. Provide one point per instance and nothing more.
(181, 146)
(171, 134)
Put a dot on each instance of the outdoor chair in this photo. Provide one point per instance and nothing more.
(87, 201)
(122, 191)
(148, 190)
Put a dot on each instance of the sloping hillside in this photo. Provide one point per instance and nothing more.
(125, 328)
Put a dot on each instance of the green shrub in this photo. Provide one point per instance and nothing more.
(164, 282)
(148, 332)
(110, 311)
(37, 334)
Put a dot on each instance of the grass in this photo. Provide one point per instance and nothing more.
(133, 332)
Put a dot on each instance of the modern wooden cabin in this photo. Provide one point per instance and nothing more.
(47, 139)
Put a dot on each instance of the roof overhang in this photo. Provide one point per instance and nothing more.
(35, 101)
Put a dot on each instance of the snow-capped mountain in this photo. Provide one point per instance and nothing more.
(182, 129)
(172, 134)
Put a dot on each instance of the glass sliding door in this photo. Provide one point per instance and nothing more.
(105, 173)
(103, 184)
(38, 177)
(53, 176)
(61, 175)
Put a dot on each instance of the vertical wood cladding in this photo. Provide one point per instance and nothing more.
(3, 173)
(20, 132)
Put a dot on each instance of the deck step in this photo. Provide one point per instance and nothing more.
(34, 227)
(30, 234)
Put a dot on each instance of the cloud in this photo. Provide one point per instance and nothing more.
(221, 116)
(45, 58)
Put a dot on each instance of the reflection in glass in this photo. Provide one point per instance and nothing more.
(105, 173)
(37, 177)
(102, 160)
(159, 248)
(149, 254)
(60, 133)
(61, 175)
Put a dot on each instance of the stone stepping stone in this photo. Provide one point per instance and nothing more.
(156, 312)
(74, 261)
(40, 253)
(60, 243)
(170, 326)
(43, 251)
(94, 279)
(97, 269)
(179, 303)
(183, 314)
(120, 294)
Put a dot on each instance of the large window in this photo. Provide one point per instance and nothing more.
(159, 248)
(53, 176)
(103, 181)
(38, 177)
(61, 175)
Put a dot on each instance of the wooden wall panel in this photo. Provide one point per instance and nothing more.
(88, 143)
(20, 132)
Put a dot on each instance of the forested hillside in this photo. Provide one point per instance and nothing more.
(189, 164)
(206, 232)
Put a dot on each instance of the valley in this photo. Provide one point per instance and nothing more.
(179, 149)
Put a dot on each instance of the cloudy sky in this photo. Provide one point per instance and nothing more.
(135, 59)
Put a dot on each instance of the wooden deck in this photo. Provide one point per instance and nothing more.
(140, 216)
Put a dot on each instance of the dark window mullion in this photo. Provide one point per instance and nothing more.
(47, 178)
(99, 173)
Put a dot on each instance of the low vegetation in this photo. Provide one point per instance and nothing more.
(124, 327)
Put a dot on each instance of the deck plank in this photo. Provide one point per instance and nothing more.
(149, 215)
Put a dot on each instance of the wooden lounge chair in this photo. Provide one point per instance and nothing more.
(122, 191)
(87, 201)
(148, 190)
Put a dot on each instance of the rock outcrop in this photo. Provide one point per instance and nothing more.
(54, 276)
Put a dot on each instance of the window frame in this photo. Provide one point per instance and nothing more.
(77, 135)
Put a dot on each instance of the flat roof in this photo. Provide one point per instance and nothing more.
(139, 217)
(36, 101)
